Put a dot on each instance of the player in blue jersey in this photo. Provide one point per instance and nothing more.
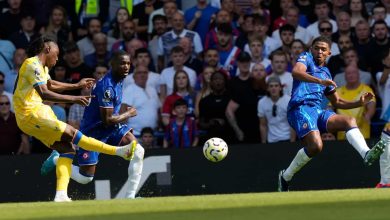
(312, 80)
(103, 120)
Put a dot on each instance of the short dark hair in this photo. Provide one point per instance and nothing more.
(180, 102)
(321, 2)
(244, 57)
(147, 130)
(115, 56)
(277, 53)
(379, 22)
(177, 49)
(378, 5)
(70, 46)
(159, 17)
(38, 44)
(141, 51)
(225, 28)
(322, 39)
(287, 27)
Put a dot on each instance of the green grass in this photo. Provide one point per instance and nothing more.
(332, 204)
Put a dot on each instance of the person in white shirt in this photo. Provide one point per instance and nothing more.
(279, 66)
(272, 112)
(321, 9)
(144, 98)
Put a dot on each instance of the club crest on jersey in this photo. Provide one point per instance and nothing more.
(304, 125)
(107, 96)
(37, 74)
(302, 58)
(85, 155)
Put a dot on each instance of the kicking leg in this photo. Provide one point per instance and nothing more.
(384, 161)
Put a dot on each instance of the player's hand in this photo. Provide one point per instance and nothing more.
(366, 98)
(132, 111)
(83, 100)
(86, 83)
(328, 82)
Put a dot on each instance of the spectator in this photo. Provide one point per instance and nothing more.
(100, 71)
(233, 9)
(350, 56)
(378, 46)
(167, 75)
(19, 56)
(272, 113)
(181, 89)
(287, 36)
(205, 88)
(27, 33)
(116, 27)
(212, 109)
(171, 39)
(321, 9)
(127, 34)
(160, 27)
(246, 31)
(222, 16)
(257, 8)
(75, 66)
(101, 55)
(358, 11)
(343, 21)
(352, 91)
(297, 47)
(76, 111)
(227, 51)
(141, 14)
(58, 26)
(241, 111)
(7, 50)
(181, 132)
(328, 137)
(168, 10)
(256, 52)
(3, 92)
(13, 17)
(142, 58)
(338, 6)
(386, 3)
(144, 99)
(292, 18)
(325, 29)
(58, 72)
(86, 45)
(378, 13)
(363, 38)
(198, 18)
(191, 61)
(211, 58)
(147, 138)
(336, 63)
(284, 5)
(279, 69)
(306, 8)
(12, 139)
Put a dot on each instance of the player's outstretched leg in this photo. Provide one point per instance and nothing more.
(384, 161)
(282, 183)
(375, 152)
(135, 170)
(50, 163)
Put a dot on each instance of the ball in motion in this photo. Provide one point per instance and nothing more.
(215, 149)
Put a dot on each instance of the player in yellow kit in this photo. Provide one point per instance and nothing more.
(32, 87)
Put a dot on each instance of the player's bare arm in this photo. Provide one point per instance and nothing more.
(48, 95)
(109, 119)
(340, 103)
(57, 86)
(299, 73)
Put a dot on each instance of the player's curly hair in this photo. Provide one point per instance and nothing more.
(37, 45)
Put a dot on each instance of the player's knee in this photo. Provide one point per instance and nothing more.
(351, 122)
(139, 152)
(315, 148)
(85, 179)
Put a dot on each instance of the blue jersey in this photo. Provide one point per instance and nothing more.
(305, 93)
(108, 94)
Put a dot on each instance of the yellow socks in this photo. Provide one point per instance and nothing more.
(63, 171)
(92, 144)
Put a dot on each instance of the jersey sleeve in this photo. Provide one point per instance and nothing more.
(329, 90)
(106, 96)
(35, 75)
(303, 58)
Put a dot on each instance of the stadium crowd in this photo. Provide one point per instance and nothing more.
(219, 68)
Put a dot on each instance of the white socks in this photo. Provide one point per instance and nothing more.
(135, 171)
(356, 139)
(384, 161)
(75, 174)
(298, 162)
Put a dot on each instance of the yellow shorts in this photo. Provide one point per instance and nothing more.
(43, 125)
(387, 127)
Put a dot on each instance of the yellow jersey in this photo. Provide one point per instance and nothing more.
(26, 99)
(357, 113)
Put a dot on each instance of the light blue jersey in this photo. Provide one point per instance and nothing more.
(305, 113)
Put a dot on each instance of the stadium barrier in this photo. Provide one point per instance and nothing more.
(247, 168)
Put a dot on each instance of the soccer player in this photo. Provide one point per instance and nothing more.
(34, 118)
(102, 120)
(312, 80)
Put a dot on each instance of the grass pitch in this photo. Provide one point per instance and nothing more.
(362, 204)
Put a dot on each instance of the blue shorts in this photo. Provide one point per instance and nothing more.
(112, 136)
(305, 118)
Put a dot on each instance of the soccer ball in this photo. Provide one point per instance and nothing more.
(215, 149)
